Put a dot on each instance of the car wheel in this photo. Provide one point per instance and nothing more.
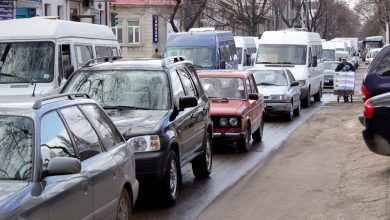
(318, 96)
(124, 206)
(170, 182)
(297, 111)
(306, 101)
(201, 165)
(290, 114)
(258, 135)
(244, 142)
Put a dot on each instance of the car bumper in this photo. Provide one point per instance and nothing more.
(151, 166)
(376, 143)
(277, 107)
(222, 136)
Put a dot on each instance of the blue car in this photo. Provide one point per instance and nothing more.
(377, 79)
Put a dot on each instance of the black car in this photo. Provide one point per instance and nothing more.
(377, 124)
(160, 108)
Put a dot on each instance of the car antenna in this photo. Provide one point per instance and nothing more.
(35, 86)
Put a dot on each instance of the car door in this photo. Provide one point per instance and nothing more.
(68, 196)
(294, 91)
(100, 164)
(255, 105)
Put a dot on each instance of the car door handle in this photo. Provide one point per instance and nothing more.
(84, 187)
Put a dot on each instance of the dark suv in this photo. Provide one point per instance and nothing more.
(160, 108)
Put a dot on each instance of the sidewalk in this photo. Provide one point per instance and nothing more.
(323, 171)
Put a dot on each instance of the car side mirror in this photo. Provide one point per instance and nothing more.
(248, 60)
(63, 166)
(314, 62)
(187, 102)
(222, 64)
(69, 69)
(253, 96)
(295, 83)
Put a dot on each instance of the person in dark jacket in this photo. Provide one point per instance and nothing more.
(344, 66)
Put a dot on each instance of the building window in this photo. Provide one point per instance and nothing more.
(47, 9)
(118, 31)
(133, 32)
(60, 12)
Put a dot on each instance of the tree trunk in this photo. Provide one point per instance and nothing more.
(172, 18)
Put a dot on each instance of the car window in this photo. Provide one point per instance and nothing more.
(195, 79)
(186, 82)
(290, 76)
(248, 86)
(223, 87)
(85, 137)
(177, 87)
(139, 89)
(252, 84)
(83, 54)
(109, 134)
(384, 66)
(55, 140)
(104, 51)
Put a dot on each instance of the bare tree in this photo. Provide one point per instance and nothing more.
(281, 5)
(198, 5)
(314, 11)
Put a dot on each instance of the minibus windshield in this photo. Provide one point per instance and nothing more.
(329, 55)
(201, 57)
(281, 54)
(33, 61)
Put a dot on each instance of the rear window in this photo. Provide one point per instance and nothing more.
(384, 66)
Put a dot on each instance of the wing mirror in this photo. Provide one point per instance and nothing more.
(295, 83)
(62, 166)
(253, 96)
(187, 102)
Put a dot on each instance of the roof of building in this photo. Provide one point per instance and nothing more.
(145, 2)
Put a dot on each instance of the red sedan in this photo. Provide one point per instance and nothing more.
(236, 107)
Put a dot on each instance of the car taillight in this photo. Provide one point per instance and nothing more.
(365, 93)
(368, 110)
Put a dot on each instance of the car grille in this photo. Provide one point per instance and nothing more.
(327, 77)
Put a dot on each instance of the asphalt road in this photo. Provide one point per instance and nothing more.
(228, 167)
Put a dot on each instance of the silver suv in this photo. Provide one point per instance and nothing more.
(63, 158)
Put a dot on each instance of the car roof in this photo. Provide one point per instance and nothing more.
(223, 73)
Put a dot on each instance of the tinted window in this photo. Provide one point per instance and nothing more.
(108, 132)
(384, 66)
(85, 137)
(55, 140)
(199, 56)
(195, 79)
(177, 87)
(138, 89)
(102, 51)
(16, 144)
(187, 82)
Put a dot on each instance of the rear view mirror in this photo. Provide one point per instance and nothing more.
(222, 64)
(187, 102)
(253, 96)
(69, 69)
(63, 166)
(295, 83)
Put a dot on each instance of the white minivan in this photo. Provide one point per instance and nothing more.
(245, 47)
(299, 51)
(328, 51)
(38, 54)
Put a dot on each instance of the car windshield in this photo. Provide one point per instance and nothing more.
(328, 55)
(138, 89)
(281, 54)
(330, 65)
(33, 61)
(201, 57)
(270, 78)
(239, 54)
(16, 143)
(223, 87)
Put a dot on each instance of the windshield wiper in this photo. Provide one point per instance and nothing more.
(17, 77)
(284, 63)
(266, 84)
(122, 107)
(266, 62)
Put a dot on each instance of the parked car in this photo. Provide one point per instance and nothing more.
(237, 109)
(371, 55)
(329, 70)
(376, 120)
(281, 91)
(377, 78)
(161, 109)
(63, 156)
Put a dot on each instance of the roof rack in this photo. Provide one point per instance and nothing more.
(104, 59)
(173, 59)
(38, 103)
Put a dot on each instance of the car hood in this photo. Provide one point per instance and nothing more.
(133, 122)
(227, 107)
(8, 188)
(272, 90)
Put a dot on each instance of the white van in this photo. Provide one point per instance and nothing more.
(328, 51)
(245, 47)
(38, 54)
(301, 53)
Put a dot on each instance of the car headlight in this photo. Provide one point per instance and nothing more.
(223, 122)
(145, 143)
(233, 121)
(280, 97)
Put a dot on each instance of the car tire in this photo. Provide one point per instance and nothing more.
(171, 180)
(201, 165)
(258, 135)
(290, 114)
(244, 143)
(306, 101)
(318, 96)
(124, 206)
(297, 111)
